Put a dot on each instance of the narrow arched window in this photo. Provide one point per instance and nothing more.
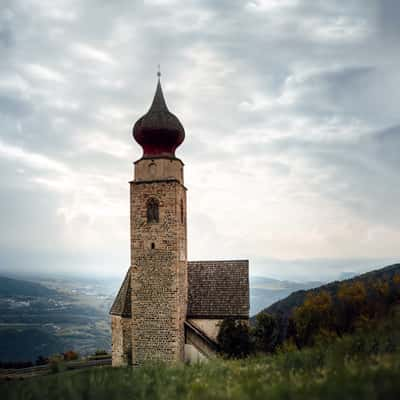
(152, 211)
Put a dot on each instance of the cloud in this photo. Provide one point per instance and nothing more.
(30, 159)
(41, 72)
(291, 117)
(90, 53)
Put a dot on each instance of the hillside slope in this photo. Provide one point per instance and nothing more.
(16, 287)
(28, 344)
(364, 365)
(296, 299)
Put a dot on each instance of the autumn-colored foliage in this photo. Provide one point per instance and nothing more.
(324, 314)
(314, 317)
(396, 287)
(351, 303)
(70, 355)
(356, 303)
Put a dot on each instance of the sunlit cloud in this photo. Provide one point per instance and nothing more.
(84, 50)
(44, 73)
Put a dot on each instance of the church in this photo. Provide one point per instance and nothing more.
(168, 308)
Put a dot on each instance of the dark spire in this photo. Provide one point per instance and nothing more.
(159, 104)
(159, 132)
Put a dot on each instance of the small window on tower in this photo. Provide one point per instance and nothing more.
(152, 211)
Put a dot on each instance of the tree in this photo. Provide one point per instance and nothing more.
(266, 332)
(351, 304)
(234, 339)
(378, 298)
(395, 287)
(314, 317)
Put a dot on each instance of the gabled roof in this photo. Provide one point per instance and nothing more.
(218, 289)
(122, 303)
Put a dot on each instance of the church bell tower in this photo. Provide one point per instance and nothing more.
(158, 271)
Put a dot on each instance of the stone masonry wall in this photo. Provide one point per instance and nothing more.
(121, 329)
(158, 168)
(159, 270)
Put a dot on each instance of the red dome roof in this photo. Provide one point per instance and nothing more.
(159, 132)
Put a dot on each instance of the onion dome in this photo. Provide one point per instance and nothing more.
(159, 132)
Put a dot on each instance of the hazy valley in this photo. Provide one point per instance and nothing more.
(51, 316)
(46, 316)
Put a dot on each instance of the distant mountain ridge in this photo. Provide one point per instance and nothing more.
(16, 287)
(286, 305)
(265, 291)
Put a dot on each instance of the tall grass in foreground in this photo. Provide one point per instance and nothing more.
(365, 365)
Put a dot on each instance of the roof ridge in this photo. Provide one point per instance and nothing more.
(121, 306)
(219, 261)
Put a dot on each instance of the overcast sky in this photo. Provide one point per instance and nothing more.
(291, 112)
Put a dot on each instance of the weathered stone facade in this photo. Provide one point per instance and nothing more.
(159, 264)
(121, 329)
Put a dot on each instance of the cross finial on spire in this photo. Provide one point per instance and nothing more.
(159, 72)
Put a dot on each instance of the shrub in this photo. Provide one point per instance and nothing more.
(234, 338)
(70, 355)
(266, 333)
(56, 362)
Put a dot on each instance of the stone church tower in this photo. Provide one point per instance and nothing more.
(168, 308)
(154, 293)
(158, 238)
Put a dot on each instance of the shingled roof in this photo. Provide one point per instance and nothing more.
(218, 289)
(122, 303)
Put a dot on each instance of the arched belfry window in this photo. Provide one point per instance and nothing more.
(152, 210)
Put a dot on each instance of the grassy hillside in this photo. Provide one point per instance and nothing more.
(15, 287)
(365, 365)
(297, 298)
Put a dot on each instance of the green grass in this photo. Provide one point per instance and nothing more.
(360, 366)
